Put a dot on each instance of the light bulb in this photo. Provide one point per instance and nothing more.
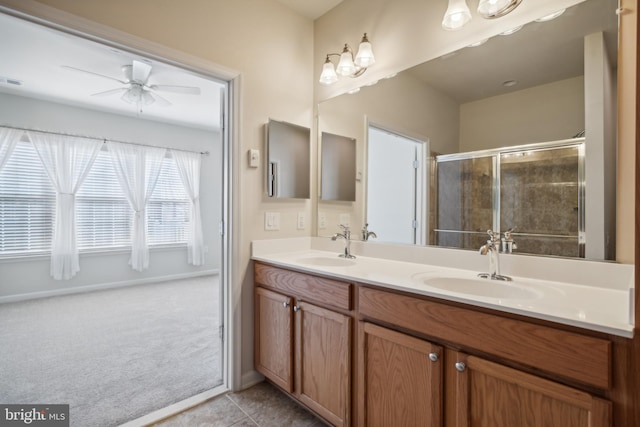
(346, 67)
(328, 75)
(365, 57)
(457, 15)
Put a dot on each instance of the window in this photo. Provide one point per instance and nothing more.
(27, 203)
(104, 218)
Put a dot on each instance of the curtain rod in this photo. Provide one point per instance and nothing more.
(104, 140)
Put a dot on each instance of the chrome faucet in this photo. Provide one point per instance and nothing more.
(508, 245)
(492, 248)
(346, 235)
(366, 233)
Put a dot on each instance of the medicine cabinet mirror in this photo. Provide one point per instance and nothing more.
(288, 160)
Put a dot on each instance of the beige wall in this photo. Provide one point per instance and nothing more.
(271, 48)
(550, 112)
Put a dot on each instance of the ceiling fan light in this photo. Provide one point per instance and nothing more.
(146, 98)
(456, 16)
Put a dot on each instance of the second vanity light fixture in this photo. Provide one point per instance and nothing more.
(348, 66)
(458, 13)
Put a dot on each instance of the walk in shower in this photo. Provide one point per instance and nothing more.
(536, 190)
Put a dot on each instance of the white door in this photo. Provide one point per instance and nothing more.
(395, 187)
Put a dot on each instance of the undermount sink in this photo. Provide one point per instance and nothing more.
(482, 287)
(327, 261)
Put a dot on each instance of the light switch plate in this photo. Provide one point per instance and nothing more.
(254, 158)
(271, 221)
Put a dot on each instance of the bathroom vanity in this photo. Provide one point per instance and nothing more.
(378, 342)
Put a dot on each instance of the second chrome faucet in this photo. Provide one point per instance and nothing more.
(492, 248)
(346, 235)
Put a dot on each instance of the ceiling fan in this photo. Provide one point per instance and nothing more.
(136, 89)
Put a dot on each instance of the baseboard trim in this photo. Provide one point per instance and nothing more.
(176, 408)
(250, 378)
(104, 286)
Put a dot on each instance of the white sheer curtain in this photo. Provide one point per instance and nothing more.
(8, 140)
(67, 161)
(189, 169)
(137, 168)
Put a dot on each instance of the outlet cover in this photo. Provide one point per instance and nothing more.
(302, 221)
(322, 221)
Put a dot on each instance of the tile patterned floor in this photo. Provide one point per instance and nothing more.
(261, 405)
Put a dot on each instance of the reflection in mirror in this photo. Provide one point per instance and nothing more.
(338, 168)
(547, 83)
(288, 160)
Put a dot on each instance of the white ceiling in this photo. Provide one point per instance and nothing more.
(35, 55)
(311, 8)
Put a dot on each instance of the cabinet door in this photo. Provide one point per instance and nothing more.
(274, 337)
(400, 379)
(485, 394)
(323, 377)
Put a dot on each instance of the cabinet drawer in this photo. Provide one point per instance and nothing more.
(567, 354)
(304, 286)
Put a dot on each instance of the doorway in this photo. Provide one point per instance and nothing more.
(396, 186)
(105, 268)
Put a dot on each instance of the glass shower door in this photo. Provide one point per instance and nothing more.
(542, 199)
(465, 201)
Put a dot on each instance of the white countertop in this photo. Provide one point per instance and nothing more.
(605, 308)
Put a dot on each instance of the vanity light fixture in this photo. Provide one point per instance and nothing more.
(348, 66)
(491, 9)
(456, 16)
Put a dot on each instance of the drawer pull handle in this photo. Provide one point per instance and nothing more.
(286, 304)
(434, 357)
(460, 366)
(296, 308)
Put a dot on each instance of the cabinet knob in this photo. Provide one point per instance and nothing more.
(434, 357)
(460, 366)
(286, 304)
(296, 308)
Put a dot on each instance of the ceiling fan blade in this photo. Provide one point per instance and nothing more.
(140, 72)
(189, 90)
(110, 92)
(162, 102)
(95, 74)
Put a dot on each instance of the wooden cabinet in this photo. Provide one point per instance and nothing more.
(400, 379)
(274, 337)
(323, 372)
(422, 362)
(303, 347)
(486, 394)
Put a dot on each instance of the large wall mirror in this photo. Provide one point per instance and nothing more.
(514, 132)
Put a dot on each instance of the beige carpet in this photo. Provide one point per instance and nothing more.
(113, 355)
